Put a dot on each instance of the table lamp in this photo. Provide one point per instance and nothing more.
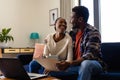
(34, 36)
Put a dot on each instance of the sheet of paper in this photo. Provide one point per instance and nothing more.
(48, 63)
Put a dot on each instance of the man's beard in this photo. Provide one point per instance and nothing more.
(74, 29)
(75, 26)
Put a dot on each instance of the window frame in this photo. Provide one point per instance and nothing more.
(97, 19)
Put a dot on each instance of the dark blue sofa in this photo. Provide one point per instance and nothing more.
(111, 56)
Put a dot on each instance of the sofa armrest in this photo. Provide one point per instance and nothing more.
(25, 58)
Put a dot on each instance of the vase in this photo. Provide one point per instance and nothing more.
(3, 45)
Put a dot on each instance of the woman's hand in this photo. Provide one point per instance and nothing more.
(63, 65)
(46, 71)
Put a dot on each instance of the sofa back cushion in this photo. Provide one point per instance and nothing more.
(38, 52)
(25, 58)
(111, 55)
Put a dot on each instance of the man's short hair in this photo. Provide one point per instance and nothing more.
(81, 11)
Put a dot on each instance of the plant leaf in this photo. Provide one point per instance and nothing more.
(4, 35)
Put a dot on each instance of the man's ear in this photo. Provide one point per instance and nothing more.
(80, 19)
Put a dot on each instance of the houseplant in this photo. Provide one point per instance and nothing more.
(5, 36)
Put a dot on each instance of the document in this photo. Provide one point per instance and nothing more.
(48, 63)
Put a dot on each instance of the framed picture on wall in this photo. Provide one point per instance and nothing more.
(53, 15)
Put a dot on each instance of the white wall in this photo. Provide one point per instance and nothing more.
(26, 16)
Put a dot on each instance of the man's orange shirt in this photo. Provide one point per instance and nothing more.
(77, 45)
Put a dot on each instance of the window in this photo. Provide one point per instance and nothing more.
(76, 2)
(110, 23)
(89, 5)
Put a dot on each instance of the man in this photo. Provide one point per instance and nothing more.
(87, 51)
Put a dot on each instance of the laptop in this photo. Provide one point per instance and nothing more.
(13, 68)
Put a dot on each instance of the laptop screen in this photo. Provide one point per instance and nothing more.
(13, 68)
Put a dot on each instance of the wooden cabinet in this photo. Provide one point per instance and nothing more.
(13, 52)
(0, 52)
(18, 50)
(26, 50)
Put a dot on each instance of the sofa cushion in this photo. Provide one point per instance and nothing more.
(26, 67)
(111, 55)
(25, 58)
(38, 52)
(109, 76)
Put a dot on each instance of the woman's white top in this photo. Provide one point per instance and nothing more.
(62, 49)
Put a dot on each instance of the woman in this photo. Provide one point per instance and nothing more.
(58, 44)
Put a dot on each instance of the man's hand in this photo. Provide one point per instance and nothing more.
(62, 65)
(46, 71)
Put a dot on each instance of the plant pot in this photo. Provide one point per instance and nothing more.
(3, 45)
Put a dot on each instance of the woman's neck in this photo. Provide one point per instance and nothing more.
(58, 36)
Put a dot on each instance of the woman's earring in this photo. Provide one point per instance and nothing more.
(55, 28)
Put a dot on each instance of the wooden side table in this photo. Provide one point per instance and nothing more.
(49, 78)
(46, 78)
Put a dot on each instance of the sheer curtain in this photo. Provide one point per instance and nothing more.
(65, 11)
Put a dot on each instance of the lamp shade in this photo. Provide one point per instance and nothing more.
(34, 35)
